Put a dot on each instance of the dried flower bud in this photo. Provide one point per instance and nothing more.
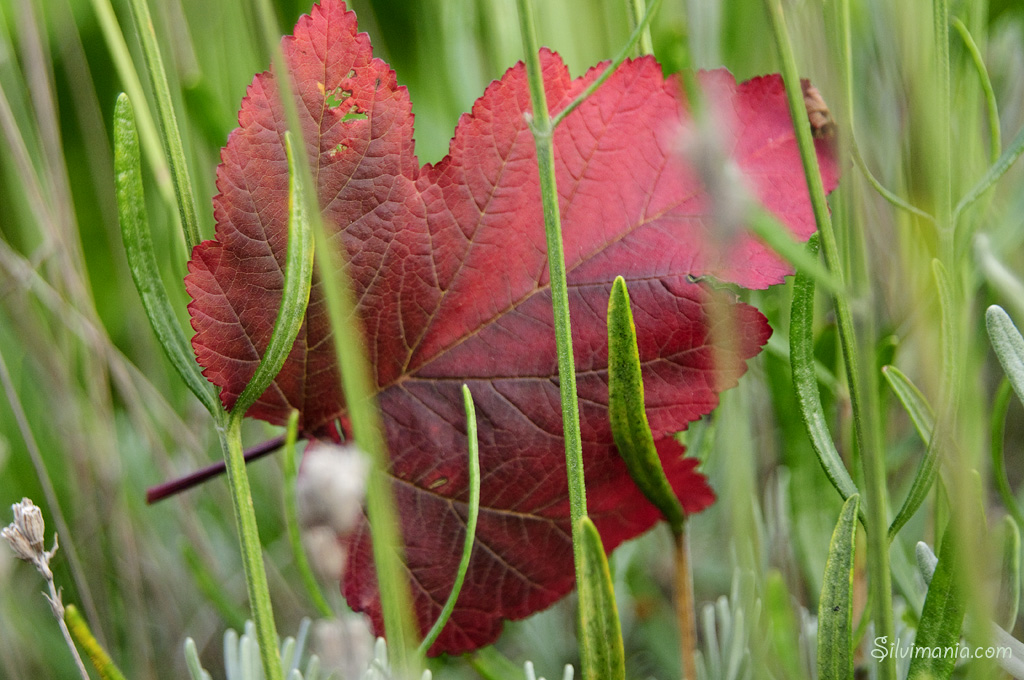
(19, 544)
(29, 520)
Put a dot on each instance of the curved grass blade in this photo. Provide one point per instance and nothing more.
(835, 608)
(138, 244)
(942, 617)
(298, 279)
(805, 382)
(291, 520)
(601, 649)
(995, 139)
(630, 428)
(474, 511)
(997, 426)
(1008, 345)
(922, 416)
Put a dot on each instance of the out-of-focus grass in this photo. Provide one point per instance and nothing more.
(110, 418)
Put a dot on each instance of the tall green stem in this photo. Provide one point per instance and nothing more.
(864, 419)
(543, 137)
(359, 388)
(636, 10)
(165, 109)
(252, 552)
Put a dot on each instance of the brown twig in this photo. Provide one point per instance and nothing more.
(176, 486)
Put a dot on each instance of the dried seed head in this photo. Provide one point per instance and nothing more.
(19, 544)
(29, 520)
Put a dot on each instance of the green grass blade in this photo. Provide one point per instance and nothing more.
(138, 244)
(805, 382)
(473, 513)
(295, 295)
(601, 651)
(291, 519)
(168, 122)
(122, 58)
(835, 608)
(942, 617)
(630, 428)
(1008, 345)
(997, 426)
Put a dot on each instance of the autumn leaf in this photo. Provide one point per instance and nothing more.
(448, 262)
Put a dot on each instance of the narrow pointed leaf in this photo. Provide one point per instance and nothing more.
(601, 650)
(835, 608)
(298, 277)
(471, 519)
(626, 411)
(138, 244)
(942, 617)
(1008, 345)
(805, 382)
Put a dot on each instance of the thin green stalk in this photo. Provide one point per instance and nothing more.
(368, 432)
(542, 134)
(294, 298)
(995, 134)
(359, 388)
(168, 121)
(865, 429)
(635, 9)
(474, 512)
(249, 539)
(291, 520)
(125, 68)
(942, 159)
(605, 75)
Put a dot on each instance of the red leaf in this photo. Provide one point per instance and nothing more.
(449, 266)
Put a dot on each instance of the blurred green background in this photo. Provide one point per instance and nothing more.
(90, 400)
